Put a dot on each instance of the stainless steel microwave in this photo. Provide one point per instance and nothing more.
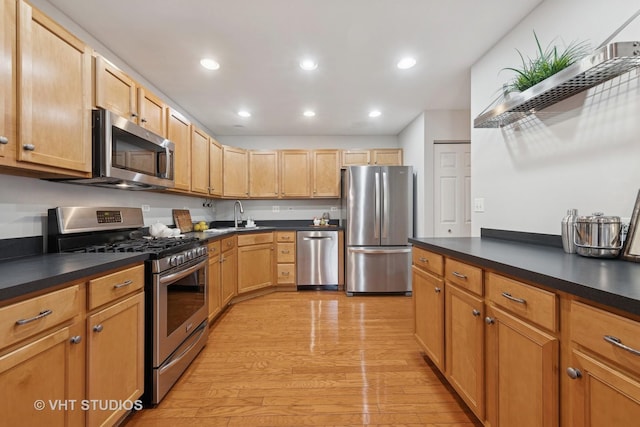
(128, 156)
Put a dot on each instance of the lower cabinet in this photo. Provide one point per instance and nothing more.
(214, 285)
(255, 261)
(229, 269)
(286, 259)
(428, 301)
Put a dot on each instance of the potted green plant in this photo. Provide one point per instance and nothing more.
(547, 63)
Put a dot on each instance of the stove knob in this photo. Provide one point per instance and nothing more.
(189, 254)
(180, 259)
(173, 261)
(203, 250)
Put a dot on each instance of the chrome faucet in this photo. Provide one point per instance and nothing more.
(235, 212)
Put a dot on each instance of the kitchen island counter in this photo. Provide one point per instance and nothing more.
(611, 282)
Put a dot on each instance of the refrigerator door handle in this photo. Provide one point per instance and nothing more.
(380, 251)
(385, 206)
(376, 215)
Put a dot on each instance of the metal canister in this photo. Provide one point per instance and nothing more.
(598, 235)
(568, 231)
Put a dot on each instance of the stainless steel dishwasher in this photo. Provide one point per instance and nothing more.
(317, 259)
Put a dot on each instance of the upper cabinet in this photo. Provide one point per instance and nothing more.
(295, 173)
(326, 173)
(152, 112)
(199, 161)
(263, 174)
(8, 83)
(54, 78)
(216, 168)
(179, 132)
(376, 156)
(236, 172)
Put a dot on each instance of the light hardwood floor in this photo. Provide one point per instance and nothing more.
(311, 359)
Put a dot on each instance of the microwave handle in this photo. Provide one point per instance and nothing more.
(169, 166)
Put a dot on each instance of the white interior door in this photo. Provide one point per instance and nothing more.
(452, 198)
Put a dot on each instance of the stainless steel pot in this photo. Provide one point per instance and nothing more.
(598, 235)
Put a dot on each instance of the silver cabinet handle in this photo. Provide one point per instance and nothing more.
(618, 343)
(98, 328)
(573, 373)
(476, 312)
(4, 140)
(423, 259)
(76, 340)
(460, 275)
(285, 252)
(514, 299)
(123, 284)
(43, 313)
(437, 290)
(285, 273)
(28, 147)
(489, 320)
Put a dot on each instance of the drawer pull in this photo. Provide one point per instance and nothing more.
(460, 275)
(618, 343)
(574, 373)
(475, 312)
(76, 339)
(123, 284)
(285, 273)
(423, 259)
(98, 328)
(40, 315)
(437, 290)
(4, 140)
(284, 252)
(508, 296)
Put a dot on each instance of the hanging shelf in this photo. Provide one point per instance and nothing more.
(603, 64)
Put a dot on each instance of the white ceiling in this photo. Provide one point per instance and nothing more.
(260, 42)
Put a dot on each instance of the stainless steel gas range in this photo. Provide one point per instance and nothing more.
(176, 327)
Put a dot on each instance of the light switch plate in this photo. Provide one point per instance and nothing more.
(478, 204)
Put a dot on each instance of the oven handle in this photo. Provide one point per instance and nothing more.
(170, 278)
(173, 360)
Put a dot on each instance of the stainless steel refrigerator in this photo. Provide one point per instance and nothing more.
(377, 207)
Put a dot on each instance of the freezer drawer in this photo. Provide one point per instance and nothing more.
(378, 269)
(317, 258)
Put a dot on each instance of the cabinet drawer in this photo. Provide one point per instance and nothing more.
(27, 318)
(535, 305)
(113, 286)
(428, 261)
(214, 248)
(286, 236)
(286, 252)
(228, 243)
(463, 275)
(286, 273)
(606, 334)
(254, 239)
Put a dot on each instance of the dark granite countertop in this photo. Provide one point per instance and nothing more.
(611, 282)
(22, 276)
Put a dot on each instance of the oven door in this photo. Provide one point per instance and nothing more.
(180, 306)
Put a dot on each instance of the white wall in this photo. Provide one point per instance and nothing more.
(581, 153)
(412, 142)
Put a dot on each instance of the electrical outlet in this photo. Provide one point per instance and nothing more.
(275, 208)
(146, 208)
(478, 204)
(334, 208)
(289, 208)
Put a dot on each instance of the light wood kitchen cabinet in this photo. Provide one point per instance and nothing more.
(44, 139)
(199, 161)
(326, 173)
(356, 157)
(464, 346)
(179, 132)
(428, 305)
(115, 90)
(115, 339)
(376, 156)
(295, 173)
(229, 269)
(8, 100)
(263, 174)
(286, 259)
(215, 168)
(152, 112)
(604, 370)
(255, 261)
(214, 285)
(236, 172)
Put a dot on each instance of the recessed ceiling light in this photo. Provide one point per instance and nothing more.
(407, 62)
(209, 64)
(244, 113)
(308, 64)
(309, 113)
(375, 113)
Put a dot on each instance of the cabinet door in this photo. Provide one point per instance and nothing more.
(115, 91)
(255, 267)
(199, 161)
(8, 83)
(115, 357)
(295, 173)
(214, 286)
(522, 373)
(356, 157)
(47, 372)
(263, 174)
(326, 173)
(387, 157)
(428, 303)
(235, 172)
(464, 349)
(229, 275)
(602, 396)
(45, 139)
(152, 112)
(179, 132)
(215, 168)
